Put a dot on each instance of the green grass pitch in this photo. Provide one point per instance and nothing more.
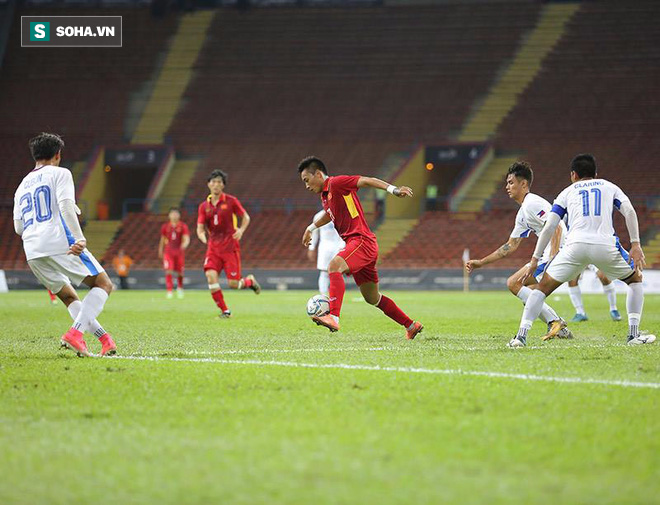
(225, 413)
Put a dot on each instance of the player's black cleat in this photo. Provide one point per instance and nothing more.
(225, 314)
(256, 287)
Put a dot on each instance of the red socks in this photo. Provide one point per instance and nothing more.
(391, 310)
(247, 283)
(336, 292)
(168, 282)
(219, 300)
(179, 282)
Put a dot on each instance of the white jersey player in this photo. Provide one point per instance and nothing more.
(327, 243)
(531, 218)
(45, 216)
(588, 204)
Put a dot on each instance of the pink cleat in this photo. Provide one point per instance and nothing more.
(328, 321)
(415, 329)
(109, 348)
(73, 339)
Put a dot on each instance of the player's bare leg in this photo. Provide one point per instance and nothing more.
(216, 293)
(373, 296)
(336, 270)
(169, 283)
(248, 282)
(557, 327)
(610, 292)
(179, 285)
(533, 308)
(634, 306)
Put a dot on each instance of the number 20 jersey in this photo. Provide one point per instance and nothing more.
(36, 203)
(588, 206)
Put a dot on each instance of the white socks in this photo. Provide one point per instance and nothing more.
(90, 308)
(547, 313)
(634, 305)
(324, 282)
(532, 310)
(610, 291)
(95, 327)
(576, 299)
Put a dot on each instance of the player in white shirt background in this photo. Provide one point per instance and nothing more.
(327, 243)
(45, 216)
(589, 203)
(530, 218)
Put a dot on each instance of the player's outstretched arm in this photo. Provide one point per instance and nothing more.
(632, 224)
(201, 232)
(372, 182)
(321, 221)
(501, 252)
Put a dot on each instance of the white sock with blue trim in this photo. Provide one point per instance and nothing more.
(576, 299)
(95, 327)
(547, 313)
(634, 306)
(90, 308)
(532, 311)
(610, 291)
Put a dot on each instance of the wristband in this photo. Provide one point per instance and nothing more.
(391, 188)
(312, 227)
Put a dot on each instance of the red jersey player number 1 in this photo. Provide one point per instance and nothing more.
(174, 240)
(342, 206)
(218, 227)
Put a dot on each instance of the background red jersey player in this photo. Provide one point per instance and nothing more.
(342, 205)
(174, 240)
(217, 219)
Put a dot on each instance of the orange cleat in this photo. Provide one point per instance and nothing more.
(73, 339)
(328, 321)
(417, 327)
(109, 348)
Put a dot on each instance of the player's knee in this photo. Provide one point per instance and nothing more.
(513, 284)
(233, 284)
(103, 281)
(371, 299)
(335, 265)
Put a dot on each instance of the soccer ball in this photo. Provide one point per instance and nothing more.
(318, 305)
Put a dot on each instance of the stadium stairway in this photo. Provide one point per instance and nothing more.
(175, 187)
(504, 94)
(174, 78)
(392, 232)
(519, 73)
(100, 234)
(484, 187)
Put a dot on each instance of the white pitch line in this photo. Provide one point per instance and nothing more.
(281, 351)
(374, 349)
(377, 368)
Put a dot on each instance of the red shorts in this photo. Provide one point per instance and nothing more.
(230, 262)
(174, 261)
(361, 256)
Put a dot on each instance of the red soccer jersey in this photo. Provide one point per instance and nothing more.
(340, 201)
(221, 222)
(174, 235)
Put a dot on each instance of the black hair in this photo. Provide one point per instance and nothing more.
(45, 146)
(217, 173)
(584, 165)
(174, 208)
(522, 170)
(312, 163)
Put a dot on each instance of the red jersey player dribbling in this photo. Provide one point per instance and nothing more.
(174, 239)
(342, 205)
(217, 221)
